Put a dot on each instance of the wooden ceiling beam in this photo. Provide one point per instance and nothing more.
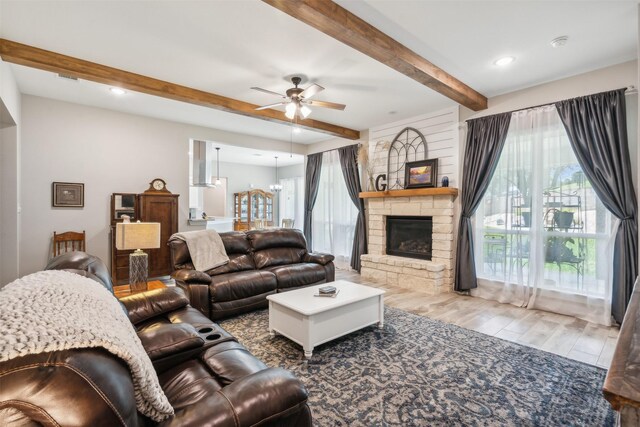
(34, 57)
(342, 25)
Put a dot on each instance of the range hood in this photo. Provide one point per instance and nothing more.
(202, 164)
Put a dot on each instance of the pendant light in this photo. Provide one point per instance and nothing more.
(275, 188)
(218, 182)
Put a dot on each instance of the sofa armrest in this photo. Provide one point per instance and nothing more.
(145, 305)
(168, 339)
(281, 394)
(318, 258)
(191, 276)
(262, 398)
(198, 294)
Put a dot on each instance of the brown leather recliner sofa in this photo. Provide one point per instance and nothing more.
(208, 377)
(261, 263)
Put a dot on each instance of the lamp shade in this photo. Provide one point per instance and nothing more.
(138, 235)
(290, 110)
(305, 111)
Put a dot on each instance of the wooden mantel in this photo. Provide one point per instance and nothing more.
(442, 191)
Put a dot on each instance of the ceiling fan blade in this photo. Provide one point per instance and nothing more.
(264, 107)
(311, 91)
(270, 92)
(326, 104)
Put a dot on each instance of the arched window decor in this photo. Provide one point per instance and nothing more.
(409, 145)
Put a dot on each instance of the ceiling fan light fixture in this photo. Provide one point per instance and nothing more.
(305, 111)
(290, 110)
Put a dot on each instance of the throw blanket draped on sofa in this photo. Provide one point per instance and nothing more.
(206, 248)
(58, 310)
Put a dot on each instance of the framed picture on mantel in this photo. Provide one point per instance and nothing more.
(67, 195)
(421, 174)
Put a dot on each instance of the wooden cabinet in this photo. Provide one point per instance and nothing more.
(121, 204)
(250, 206)
(162, 208)
(150, 206)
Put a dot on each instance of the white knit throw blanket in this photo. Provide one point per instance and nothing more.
(58, 310)
(205, 247)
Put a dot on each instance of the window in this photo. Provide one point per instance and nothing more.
(542, 236)
(334, 214)
(292, 201)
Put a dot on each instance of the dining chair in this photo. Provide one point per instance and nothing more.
(287, 223)
(68, 241)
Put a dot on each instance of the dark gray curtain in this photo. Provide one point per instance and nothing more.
(311, 185)
(485, 139)
(349, 163)
(597, 129)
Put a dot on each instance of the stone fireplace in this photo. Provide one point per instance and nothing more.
(425, 219)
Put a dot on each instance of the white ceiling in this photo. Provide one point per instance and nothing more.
(254, 157)
(226, 47)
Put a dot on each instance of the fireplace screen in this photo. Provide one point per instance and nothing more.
(409, 236)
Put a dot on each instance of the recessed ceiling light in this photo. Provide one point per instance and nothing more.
(504, 61)
(117, 91)
(257, 154)
(559, 41)
(296, 129)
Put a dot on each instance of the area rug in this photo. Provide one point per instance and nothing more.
(418, 371)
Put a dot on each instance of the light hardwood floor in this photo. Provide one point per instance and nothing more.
(564, 335)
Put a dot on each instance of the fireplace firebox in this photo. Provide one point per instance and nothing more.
(409, 236)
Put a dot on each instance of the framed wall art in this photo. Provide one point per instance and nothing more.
(67, 195)
(421, 174)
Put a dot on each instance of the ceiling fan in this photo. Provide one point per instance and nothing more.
(298, 100)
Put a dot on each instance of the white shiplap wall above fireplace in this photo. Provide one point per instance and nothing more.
(440, 130)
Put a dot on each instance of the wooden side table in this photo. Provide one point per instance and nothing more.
(121, 291)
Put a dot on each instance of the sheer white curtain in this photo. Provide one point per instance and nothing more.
(542, 237)
(291, 200)
(334, 214)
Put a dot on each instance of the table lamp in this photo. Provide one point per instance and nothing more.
(138, 236)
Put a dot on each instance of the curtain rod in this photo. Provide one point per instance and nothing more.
(629, 90)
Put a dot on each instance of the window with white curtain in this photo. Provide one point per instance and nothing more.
(334, 214)
(542, 236)
(291, 200)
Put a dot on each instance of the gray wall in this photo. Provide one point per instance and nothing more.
(109, 152)
(291, 171)
(245, 177)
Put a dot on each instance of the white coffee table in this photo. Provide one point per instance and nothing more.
(311, 321)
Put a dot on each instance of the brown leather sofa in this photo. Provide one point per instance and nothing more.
(208, 377)
(261, 263)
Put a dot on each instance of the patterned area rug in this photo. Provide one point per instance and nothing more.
(423, 372)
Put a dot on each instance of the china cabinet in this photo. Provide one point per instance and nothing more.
(250, 206)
